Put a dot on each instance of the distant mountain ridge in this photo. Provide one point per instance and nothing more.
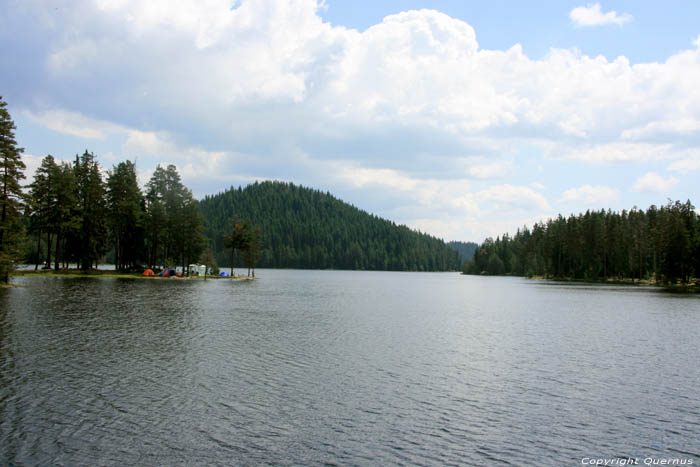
(464, 249)
(308, 229)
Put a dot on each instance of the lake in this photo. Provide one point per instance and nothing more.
(346, 368)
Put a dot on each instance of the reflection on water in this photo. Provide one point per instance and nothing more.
(345, 368)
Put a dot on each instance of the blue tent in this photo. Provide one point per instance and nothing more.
(223, 274)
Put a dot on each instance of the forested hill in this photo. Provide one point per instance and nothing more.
(308, 229)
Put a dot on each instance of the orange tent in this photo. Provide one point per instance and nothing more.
(148, 272)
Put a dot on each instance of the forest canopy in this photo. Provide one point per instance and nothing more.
(75, 216)
(660, 244)
(309, 229)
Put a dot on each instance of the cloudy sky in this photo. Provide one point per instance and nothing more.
(462, 119)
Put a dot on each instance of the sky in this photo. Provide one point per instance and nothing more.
(460, 119)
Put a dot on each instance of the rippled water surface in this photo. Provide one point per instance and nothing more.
(312, 367)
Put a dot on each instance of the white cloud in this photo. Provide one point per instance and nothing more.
(488, 170)
(619, 152)
(678, 126)
(685, 165)
(652, 182)
(274, 71)
(592, 15)
(74, 123)
(411, 105)
(508, 197)
(591, 195)
(32, 162)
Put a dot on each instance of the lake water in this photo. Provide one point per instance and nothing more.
(346, 368)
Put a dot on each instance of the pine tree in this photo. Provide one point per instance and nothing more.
(11, 196)
(252, 248)
(237, 239)
(65, 216)
(192, 228)
(89, 242)
(40, 204)
(125, 215)
(155, 221)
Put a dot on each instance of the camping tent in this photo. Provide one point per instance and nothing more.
(148, 272)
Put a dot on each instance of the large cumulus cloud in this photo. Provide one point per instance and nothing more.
(266, 89)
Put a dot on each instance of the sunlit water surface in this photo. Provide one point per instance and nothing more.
(312, 367)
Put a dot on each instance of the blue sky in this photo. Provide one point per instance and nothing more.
(461, 119)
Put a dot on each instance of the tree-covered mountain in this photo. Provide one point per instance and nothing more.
(306, 228)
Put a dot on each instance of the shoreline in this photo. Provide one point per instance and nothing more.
(692, 287)
(98, 273)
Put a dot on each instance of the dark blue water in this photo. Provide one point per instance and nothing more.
(347, 368)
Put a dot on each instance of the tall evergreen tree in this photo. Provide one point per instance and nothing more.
(192, 230)
(89, 241)
(11, 195)
(41, 201)
(155, 221)
(173, 223)
(125, 215)
(65, 218)
(253, 245)
(237, 239)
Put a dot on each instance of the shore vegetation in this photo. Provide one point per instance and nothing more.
(658, 246)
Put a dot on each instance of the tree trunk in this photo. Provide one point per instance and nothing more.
(48, 250)
(58, 248)
(38, 250)
(3, 218)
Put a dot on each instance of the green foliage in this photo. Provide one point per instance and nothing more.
(88, 243)
(11, 196)
(42, 198)
(253, 245)
(74, 214)
(240, 238)
(662, 243)
(305, 228)
(125, 213)
(173, 222)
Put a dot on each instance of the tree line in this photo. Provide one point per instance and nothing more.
(75, 213)
(661, 243)
(308, 229)
(11, 194)
(76, 216)
(72, 214)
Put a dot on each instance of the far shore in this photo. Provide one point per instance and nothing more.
(117, 274)
(693, 286)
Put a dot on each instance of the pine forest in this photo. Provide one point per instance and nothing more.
(659, 244)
